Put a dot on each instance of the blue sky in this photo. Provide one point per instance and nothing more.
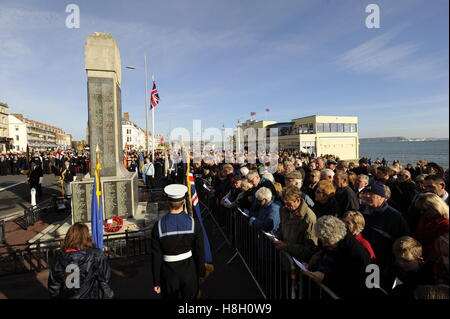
(217, 61)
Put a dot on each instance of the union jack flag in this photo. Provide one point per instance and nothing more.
(252, 113)
(154, 96)
(193, 192)
(196, 209)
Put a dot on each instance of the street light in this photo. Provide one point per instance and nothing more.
(146, 100)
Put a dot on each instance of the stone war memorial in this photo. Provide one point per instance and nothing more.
(119, 186)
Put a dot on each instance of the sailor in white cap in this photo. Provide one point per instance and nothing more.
(177, 249)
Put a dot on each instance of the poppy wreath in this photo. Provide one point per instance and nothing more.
(113, 224)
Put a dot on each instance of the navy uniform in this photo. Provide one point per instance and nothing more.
(177, 251)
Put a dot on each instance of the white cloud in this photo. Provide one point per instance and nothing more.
(380, 56)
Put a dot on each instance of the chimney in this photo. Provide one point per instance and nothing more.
(126, 116)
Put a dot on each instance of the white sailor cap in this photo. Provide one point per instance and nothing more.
(175, 192)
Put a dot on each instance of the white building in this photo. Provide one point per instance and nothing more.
(133, 136)
(5, 140)
(64, 140)
(18, 133)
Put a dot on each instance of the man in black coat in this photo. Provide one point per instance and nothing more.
(363, 167)
(15, 165)
(405, 191)
(384, 224)
(345, 196)
(35, 178)
(46, 163)
(6, 165)
(159, 169)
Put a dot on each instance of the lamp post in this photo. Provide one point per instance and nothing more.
(146, 97)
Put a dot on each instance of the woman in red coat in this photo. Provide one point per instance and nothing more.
(355, 224)
(432, 224)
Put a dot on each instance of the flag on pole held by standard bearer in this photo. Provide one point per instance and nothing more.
(194, 208)
(96, 206)
(142, 167)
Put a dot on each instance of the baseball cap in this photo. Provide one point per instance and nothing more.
(376, 188)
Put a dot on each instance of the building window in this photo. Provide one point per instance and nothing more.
(346, 128)
(341, 127)
(17, 137)
(326, 127)
(353, 128)
(319, 127)
(334, 127)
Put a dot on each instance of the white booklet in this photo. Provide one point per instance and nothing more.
(242, 212)
(206, 187)
(227, 202)
(300, 265)
(271, 236)
(397, 282)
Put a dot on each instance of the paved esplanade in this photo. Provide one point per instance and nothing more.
(15, 192)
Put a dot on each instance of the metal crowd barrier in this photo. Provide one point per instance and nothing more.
(35, 213)
(2, 232)
(273, 271)
(15, 259)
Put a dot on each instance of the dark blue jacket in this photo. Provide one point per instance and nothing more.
(383, 226)
(266, 218)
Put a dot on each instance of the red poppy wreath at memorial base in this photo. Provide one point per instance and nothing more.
(113, 224)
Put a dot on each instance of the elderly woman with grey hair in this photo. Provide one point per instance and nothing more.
(265, 212)
(346, 259)
(326, 174)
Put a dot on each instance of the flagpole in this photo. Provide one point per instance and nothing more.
(153, 127)
(146, 101)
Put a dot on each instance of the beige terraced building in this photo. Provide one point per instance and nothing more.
(318, 134)
(44, 137)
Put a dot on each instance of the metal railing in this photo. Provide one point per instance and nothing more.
(2, 232)
(273, 271)
(36, 213)
(15, 259)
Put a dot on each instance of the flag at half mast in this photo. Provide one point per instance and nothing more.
(154, 96)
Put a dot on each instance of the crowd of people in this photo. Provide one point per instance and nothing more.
(339, 217)
(19, 163)
(336, 217)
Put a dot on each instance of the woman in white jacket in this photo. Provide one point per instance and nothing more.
(149, 171)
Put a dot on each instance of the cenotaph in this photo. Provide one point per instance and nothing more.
(119, 186)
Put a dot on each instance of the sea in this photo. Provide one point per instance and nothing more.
(407, 152)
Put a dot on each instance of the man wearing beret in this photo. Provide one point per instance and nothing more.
(384, 224)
